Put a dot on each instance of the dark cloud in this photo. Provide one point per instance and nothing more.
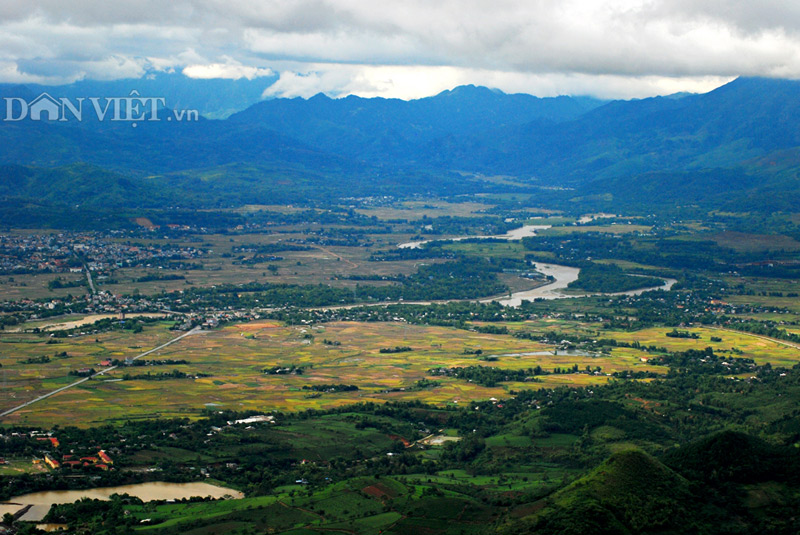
(347, 45)
(742, 16)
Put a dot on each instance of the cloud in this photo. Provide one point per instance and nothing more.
(402, 48)
(366, 81)
(742, 16)
(416, 82)
(232, 70)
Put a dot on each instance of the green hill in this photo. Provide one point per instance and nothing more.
(630, 493)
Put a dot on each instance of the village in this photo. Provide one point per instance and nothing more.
(68, 252)
(52, 455)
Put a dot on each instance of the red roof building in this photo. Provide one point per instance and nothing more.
(53, 440)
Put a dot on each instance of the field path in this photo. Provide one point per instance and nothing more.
(340, 257)
(767, 338)
(101, 372)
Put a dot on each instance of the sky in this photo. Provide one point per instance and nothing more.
(407, 48)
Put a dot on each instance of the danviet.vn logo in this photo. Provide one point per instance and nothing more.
(133, 109)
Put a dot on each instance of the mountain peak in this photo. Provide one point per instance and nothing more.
(320, 97)
(470, 91)
(757, 84)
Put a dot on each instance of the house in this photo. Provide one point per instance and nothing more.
(104, 457)
(52, 463)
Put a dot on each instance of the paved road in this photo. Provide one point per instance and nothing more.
(101, 372)
(89, 278)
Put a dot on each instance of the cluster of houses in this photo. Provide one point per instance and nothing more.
(212, 320)
(102, 302)
(102, 461)
(57, 253)
(55, 461)
(34, 253)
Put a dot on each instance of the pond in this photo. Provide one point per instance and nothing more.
(41, 501)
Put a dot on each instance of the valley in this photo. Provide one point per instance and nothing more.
(350, 364)
(312, 310)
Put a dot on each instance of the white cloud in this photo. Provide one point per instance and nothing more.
(232, 71)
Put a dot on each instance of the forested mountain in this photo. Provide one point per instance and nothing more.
(316, 133)
(735, 143)
(401, 130)
(744, 119)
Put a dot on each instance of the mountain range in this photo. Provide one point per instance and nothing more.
(738, 141)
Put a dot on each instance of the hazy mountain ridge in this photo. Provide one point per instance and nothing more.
(378, 128)
(738, 141)
(744, 119)
(317, 134)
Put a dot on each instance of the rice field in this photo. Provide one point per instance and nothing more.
(229, 364)
(737, 344)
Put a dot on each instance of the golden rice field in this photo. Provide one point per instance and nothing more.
(22, 381)
(235, 356)
(761, 350)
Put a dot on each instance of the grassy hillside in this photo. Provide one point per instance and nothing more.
(631, 492)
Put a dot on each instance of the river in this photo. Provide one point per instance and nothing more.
(562, 275)
(41, 501)
(524, 231)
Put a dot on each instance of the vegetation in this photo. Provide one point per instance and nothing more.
(489, 377)
(396, 349)
(334, 404)
(609, 278)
